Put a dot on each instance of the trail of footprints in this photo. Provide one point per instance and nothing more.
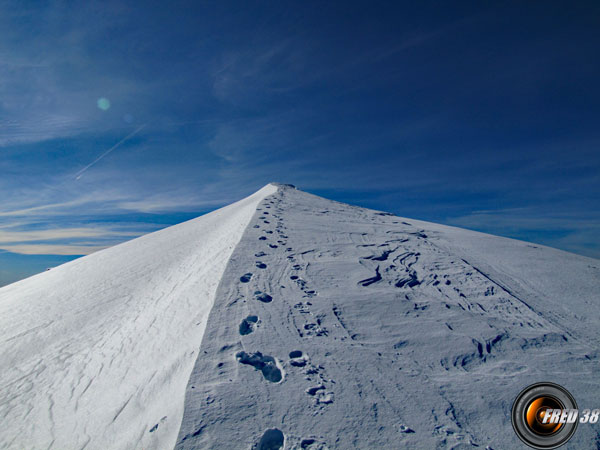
(270, 367)
(405, 260)
(392, 263)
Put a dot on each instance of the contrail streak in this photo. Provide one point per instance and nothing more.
(129, 136)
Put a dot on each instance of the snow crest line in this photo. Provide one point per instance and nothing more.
(97, 353)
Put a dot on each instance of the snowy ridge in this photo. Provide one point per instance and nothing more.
(290, 321)
(96, 353)
(337, 327)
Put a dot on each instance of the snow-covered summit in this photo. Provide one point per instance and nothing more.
(282, 186)
(290, 321)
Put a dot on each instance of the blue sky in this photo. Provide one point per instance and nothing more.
(119, 118)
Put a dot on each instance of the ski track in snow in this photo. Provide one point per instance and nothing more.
(96, 353)
(387, 335)
(332, 327)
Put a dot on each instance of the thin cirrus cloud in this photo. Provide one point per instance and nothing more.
(59, 241)
(45, 209)
(50, 249)
(453, 116)
(47, 229)
(38, 129)
(52, 234)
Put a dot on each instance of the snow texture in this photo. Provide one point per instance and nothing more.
(97, 353)
(390, 333)
(332, 327)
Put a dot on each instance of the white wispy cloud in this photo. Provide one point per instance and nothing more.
(47, 209)
(7, 237)
(165, 204)
(52, 249)
(56, 223)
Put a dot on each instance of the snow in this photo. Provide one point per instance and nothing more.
(389, 333)
(96, 353)
(332, 327)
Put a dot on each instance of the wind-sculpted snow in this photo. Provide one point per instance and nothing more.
(332, 327)
(391, 333)
(97, 353)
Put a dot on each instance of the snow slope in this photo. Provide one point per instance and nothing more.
(332, 327)
(383, 332)
(97, 352)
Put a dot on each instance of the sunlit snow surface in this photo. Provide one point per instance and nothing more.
(388, 332)
(97, 352)
(332, 327)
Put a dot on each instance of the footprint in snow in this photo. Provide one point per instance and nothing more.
(312, 444)
(246, 277)
(314, 390)
(272, 439)
(248, 325)
(297, 359)
(321, 396)
(313, 329)
(261, 296)
(265, 363)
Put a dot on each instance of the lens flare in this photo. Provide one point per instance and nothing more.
(103, 103)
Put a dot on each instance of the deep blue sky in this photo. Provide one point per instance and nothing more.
(479, 114)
